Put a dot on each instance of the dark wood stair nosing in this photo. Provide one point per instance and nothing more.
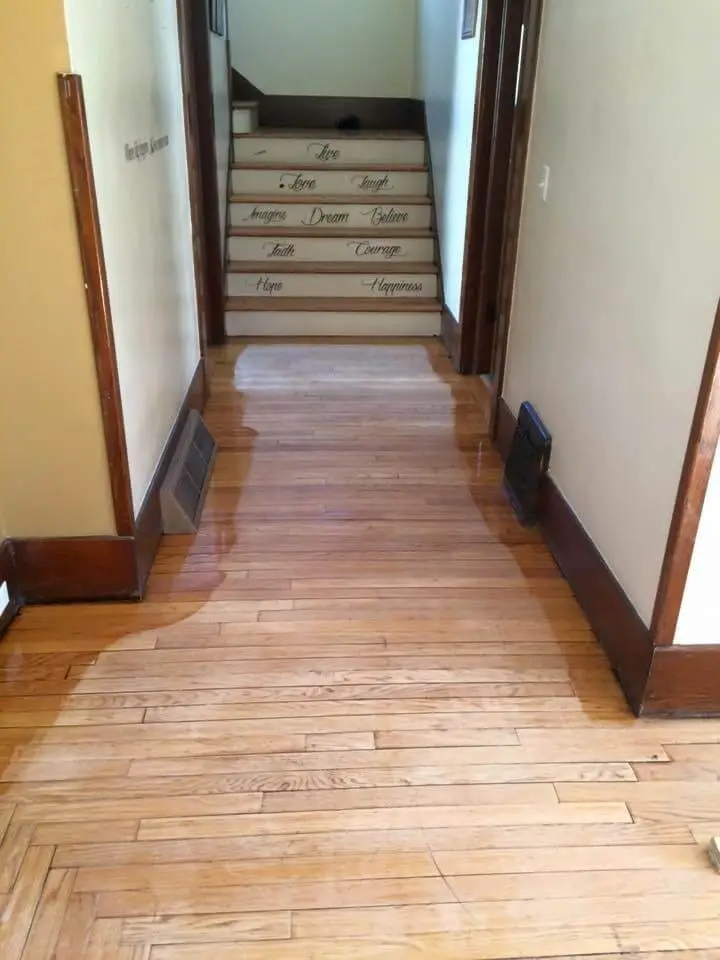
(342, 233)
(419, 200)
(356, 167)
(331, 267)
(333, 304)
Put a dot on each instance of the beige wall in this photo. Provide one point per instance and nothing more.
(341, 48)
(619, 272)
(448, 74)
(53, 466)
(128, 54)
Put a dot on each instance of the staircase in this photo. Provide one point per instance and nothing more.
(330, 235)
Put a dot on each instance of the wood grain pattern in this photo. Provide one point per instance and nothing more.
(359, 715)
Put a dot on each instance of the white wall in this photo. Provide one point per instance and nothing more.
(127, 52)
(448, 84)
(618, 274)
(699, 620)
(221, 109)
(341, 48)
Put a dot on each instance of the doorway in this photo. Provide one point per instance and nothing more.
(508, 67)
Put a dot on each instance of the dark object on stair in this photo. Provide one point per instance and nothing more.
(527, 464)
(351, 122)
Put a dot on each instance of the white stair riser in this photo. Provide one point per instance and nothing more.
(381, 217)
(332, 151)
(379, 286)
(244, 120)
(280, 323)
(358, 250)
(330, 182)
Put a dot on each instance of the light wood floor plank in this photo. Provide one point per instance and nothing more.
(360, 715)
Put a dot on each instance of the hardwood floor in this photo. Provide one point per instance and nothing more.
(359, 716)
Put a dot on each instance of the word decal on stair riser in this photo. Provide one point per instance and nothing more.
(388, 251)
(393, 288)
(274, 250)
(266, 286)
(266, 217)
(319, 217)
(297, 183)
(373, 184)
(382, 216)
(323, 152)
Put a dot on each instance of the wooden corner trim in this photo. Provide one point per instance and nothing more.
(684, 682)
(701, 447)
(72, 104)
(8, 575)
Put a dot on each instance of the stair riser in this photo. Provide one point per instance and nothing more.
(348, 150)
(360, 250)
(330, 182)
(380, 217)
(318, 324)
(381, 287)
(244, 120)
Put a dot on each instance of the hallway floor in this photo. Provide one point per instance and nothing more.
(359, 716)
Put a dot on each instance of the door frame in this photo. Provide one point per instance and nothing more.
(510, 44)
(194, 36)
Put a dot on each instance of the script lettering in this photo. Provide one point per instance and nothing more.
(323, 152)
(366, 248)
(385, 216)
(297, 183)
(393, 288)
(372, 184)
(319, 217)
(275, 249)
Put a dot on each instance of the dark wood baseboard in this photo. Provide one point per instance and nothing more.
(683, 682)
(148, 526)
(63, 570)
(450, 335)
(8, 575)
(615, 622)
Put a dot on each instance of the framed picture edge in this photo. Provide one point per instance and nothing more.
(471, 9)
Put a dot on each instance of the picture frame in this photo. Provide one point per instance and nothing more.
(470, 19)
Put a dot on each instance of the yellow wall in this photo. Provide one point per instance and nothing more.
(53, 465)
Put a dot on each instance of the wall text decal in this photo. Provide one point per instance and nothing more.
(142, 149)
(323, 152)
(320, 217)
(373, 184)
(275, 249)
(366, 248)
(384, 216)
(265, 216)
(393, 288)
(297, 183)
(266, 286)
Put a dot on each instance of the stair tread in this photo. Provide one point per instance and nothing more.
(334, 304)
(341, 199)
(279, 133)
(356, 167)
(423, 233)
(329, 266)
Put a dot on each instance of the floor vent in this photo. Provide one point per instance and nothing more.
(183, 493)
(527, 464)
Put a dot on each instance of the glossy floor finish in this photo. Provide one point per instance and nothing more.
(360, 715)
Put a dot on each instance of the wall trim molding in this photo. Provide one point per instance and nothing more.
(82, 179)
(684, 681)
(450, 335)
(67, 569)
